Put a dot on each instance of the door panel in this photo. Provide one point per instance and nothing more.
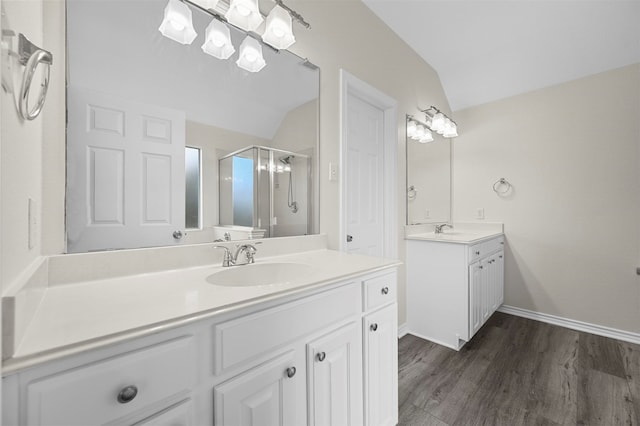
(125, 173)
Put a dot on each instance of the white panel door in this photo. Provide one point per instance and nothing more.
(335, 379)
(381, 367)
(264, 396)
(125, 173)
(364, 172)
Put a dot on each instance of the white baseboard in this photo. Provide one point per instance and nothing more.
(599, 330)
(402, 330)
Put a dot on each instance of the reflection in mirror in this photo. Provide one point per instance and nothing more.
(149, 120)
(428, 180)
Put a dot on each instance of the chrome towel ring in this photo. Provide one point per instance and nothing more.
(501, 186)
(31, 56)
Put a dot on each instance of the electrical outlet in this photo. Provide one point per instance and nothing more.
(333, 171)
(427, 214)
(480, 213)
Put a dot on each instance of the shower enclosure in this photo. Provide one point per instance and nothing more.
(266, 189)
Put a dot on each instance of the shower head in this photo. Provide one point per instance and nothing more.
(287, 159)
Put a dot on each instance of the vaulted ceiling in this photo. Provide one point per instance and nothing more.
(489, 50)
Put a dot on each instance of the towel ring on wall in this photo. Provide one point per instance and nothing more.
(501, 186)
(31, 56)
(412, 193)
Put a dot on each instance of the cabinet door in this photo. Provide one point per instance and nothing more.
(381, 367)
(334, 362)
(485, 286)
(475, 298)
(499, 278)
(265, 395)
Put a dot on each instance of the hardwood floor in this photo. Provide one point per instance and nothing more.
(517, 371)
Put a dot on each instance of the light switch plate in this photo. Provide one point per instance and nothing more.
(333, 171)
(480, 213)
(33, 223)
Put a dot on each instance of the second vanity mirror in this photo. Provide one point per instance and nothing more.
(155, 128)
(428, 180)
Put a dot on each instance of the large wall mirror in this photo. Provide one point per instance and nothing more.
(168, 145)
(428, 181)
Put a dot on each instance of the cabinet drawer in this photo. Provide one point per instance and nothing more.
(240, 340)
(89, 394)
(379, 291)
(480, 250)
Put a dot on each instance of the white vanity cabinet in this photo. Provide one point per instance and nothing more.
(325, 356)
(453, 288)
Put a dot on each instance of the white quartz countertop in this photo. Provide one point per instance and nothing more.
(458, 237)
(81, 316)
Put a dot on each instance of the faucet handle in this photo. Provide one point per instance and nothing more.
(227, 259)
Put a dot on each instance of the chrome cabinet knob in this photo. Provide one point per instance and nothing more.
(127, 394)
(385, 290)
(477, 253)
(500, 257)
(373, 327)
(321, 356)
(481, 267)
(291, 371)
(178, 235)
(349, 238)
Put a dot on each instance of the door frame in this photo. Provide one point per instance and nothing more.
(351, 85)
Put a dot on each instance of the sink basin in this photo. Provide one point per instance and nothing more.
(258, 274)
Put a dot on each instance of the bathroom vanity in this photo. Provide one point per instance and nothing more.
(455, 282)
(169, 347)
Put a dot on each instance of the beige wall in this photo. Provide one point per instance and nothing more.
(572, 223)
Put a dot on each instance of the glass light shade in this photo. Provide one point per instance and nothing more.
(428, 137)
(279, 29)
(437, 123)
(451, 132)
(411, 129)
(207, 4)
(217, 41)
(251, 55)
(177, 24)
(420, 131)
(244, 14)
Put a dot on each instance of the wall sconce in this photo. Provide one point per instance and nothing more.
(418, 131)
(439, 122)
(177, 24)
(251, 58)
(218, 41)
(243, 15)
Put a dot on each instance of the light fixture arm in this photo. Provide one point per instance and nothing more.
(295, 15)
(432, 111)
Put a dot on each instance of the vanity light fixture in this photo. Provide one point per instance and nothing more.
(207, 4)
(251, 58)
(177, 24)
(438, 122)
(278, 31)
(418, 131)
(218, 41)
(244, 14)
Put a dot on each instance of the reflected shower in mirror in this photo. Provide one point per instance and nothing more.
(149, 120)
(428, 175)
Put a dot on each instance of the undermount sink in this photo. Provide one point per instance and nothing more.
(258, 274)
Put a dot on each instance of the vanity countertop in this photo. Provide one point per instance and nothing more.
(458, 237)
(76, 317)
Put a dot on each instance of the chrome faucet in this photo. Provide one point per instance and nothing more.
(231, 259)
(439, 228)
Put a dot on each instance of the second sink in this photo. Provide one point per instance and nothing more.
(260, 274)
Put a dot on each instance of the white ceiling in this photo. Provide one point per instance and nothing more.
(488, 50)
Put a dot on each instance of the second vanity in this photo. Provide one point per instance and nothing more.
(455, 281)
(168, 347)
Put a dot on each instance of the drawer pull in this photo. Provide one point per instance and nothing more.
(321, 356)
(478, 253)
(373, 327)
(501, 243)
(291, 371)
(385, 290)
(481, 267)
(500, 257)
(127, 394)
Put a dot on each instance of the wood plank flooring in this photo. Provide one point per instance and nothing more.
(517, 371)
